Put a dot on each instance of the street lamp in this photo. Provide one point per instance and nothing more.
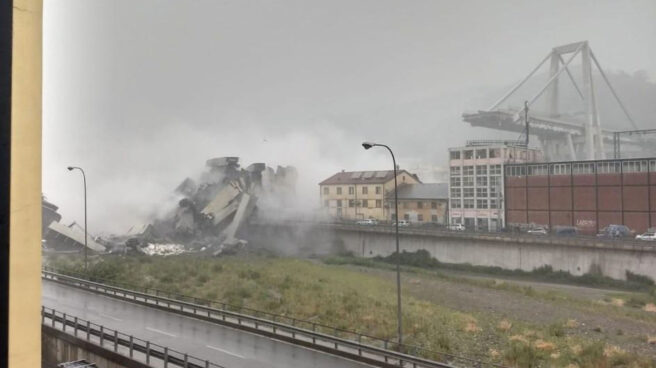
(86, 249)
(366, 146)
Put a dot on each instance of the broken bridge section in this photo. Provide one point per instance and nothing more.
(212, 210)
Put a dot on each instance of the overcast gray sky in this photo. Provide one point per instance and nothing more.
(141, 93)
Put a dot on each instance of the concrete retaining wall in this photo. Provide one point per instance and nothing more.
(58, 347)
(576, 256)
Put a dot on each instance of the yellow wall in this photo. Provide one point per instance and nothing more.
(411, 207)
(371, 211)
(25, 186)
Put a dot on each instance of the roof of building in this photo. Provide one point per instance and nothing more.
(424, 191)
(364, 177)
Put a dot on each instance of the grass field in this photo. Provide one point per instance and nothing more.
(361, 298)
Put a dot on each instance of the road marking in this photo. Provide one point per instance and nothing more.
(108, 316)
(160, 331)
(225, 351)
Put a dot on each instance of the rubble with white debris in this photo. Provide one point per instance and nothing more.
(163, 249)
(212, 211)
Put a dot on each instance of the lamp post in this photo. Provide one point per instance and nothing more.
(366, 146)
(86, 249)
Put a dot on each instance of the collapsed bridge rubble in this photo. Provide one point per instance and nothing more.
(211, 211)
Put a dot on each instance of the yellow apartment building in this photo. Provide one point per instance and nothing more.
(357, 195)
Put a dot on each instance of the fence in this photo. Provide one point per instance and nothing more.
(127, 345)
(359, 347)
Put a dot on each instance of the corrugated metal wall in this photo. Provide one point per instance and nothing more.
(588, 201)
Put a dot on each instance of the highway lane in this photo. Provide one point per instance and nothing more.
(219, 344)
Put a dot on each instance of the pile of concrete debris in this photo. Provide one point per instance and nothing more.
(212, 211)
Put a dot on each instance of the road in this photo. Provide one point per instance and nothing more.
(219, 344)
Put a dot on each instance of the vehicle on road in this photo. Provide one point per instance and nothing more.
(615, 231)
(649, 235)
(431, 225)
(565, 231)
(402, 223)
(457, 227)
(367, 222)
(537, 231)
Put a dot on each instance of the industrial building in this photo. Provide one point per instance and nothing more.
(476, 181)
(588, 195)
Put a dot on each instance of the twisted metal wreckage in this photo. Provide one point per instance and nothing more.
(212, 211)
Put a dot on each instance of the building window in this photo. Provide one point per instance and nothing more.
(455, 203)
(468, 170)
(455, 170)
(420, 217)
(481, 170)
(420, 204)
(339, 190)
(455, 192)
(495, 152)
(652, 166)
(365, 190)
(481, 203)
(365, 203)
(455, 182)
(434, 205)
(481, 181)
(468, 203)
(481, 153)
(634, 166)
(469, 154)
(495, 169)
(468, 192)
(454, 155)
(433, 218)
(515, 170)
(379, 203)
(406, 217)
(351, 190)
(468, 181)
(378, 189)
(560, 169)
(326, 190)
(495, 181)
(608, 167)
(481, 192)
(583, 168)
(537, 170)
(493, 203)
(494, 192)
(339, 203)
(351, 203)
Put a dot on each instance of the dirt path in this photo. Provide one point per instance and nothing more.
(597, 323)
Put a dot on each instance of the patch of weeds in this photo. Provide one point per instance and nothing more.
(556, 330)
(522, 355)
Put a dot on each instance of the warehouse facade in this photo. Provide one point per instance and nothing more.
(588, 195)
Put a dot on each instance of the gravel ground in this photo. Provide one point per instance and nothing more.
(595, 321)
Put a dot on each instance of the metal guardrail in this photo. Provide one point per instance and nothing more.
(580, 240)
(309, 337)
(127, 345)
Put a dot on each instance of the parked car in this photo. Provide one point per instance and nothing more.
(537, 231)
(402, 223)
(367, 222)
(615, 231)
(650, 235)
(565, 231)
(457, 227)
(431, 225)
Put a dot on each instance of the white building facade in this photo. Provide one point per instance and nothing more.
(476, 186)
